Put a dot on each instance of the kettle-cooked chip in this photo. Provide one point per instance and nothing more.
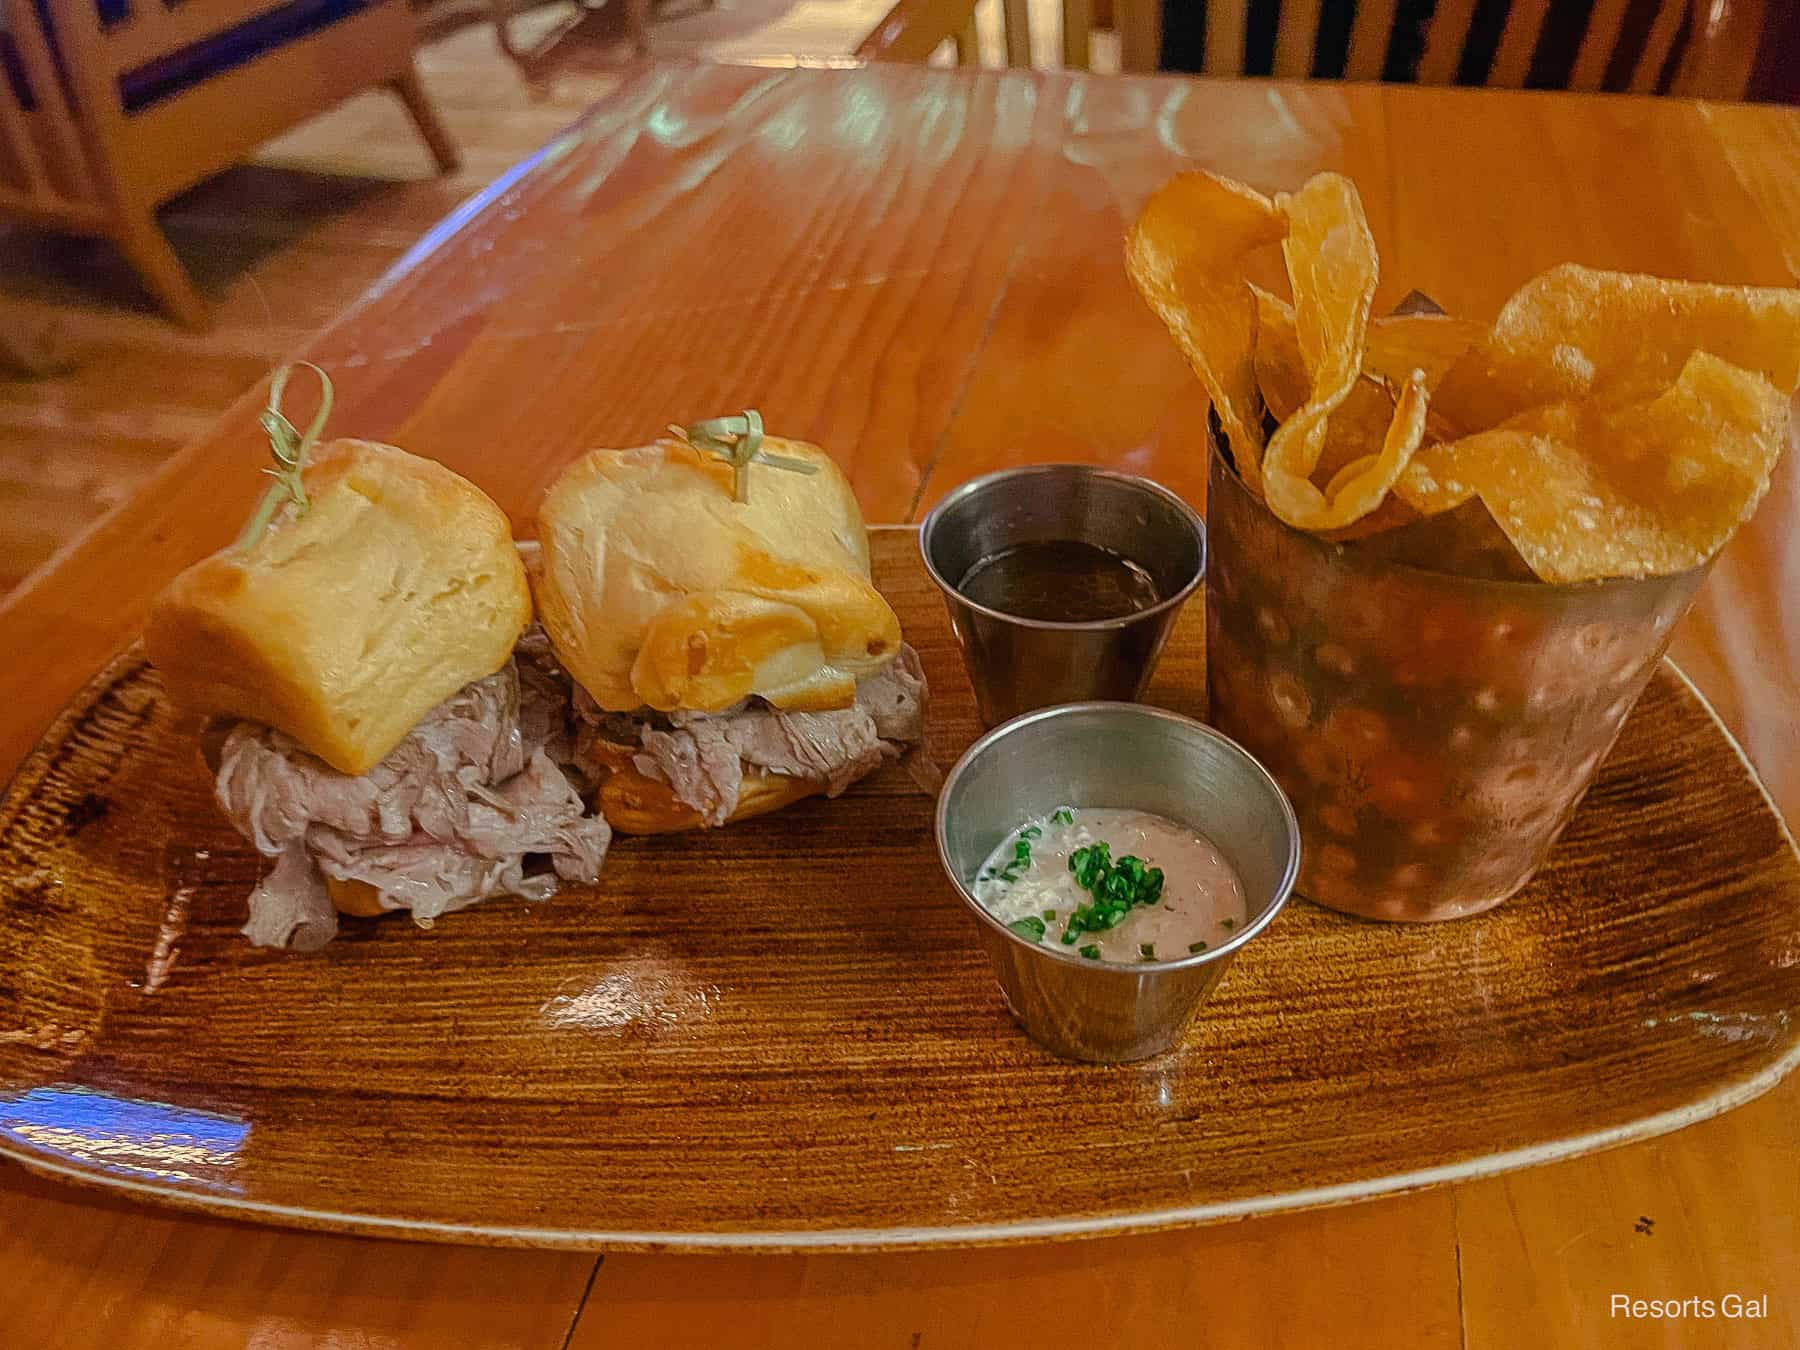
(1333, 269)
(1649, 488)
(1186, 256)
(1575, 333)
(1361, 486)
(1612, 425)
(1398, 345)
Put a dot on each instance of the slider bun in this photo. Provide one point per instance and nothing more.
(634, 803)
(346, 624)
(659, 590)
(355, 897)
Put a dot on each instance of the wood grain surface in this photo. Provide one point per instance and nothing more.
(1468, 192)
(733, 1041)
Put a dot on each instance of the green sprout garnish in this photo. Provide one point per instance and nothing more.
(290, 449)
(738, 441)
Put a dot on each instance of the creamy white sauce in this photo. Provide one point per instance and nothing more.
(1202, 900)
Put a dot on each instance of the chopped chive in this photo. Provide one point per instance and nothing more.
(1228, 924)
(1090, 953)
(1063, 816)
(1070, 934)
(1147, 950)
(1029, 927)
(1031, 832)
(1049, 914)
(1194, 947)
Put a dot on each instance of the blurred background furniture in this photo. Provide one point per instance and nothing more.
(914, 30)
(600, 23)
(108, 109)
(1695, 48)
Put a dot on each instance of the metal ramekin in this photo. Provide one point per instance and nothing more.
(1017, 664)
(1126, 756)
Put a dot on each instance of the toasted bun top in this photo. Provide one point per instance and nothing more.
(659, 590)
(346, 622)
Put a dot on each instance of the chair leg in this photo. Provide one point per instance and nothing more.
(425, 116)
(147, 249)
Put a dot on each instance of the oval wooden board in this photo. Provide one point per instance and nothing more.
(782, 1034)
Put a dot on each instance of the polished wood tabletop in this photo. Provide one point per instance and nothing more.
(920, 269)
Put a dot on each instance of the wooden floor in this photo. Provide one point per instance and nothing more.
(281, 245)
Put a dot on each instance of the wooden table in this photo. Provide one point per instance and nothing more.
(921, 270)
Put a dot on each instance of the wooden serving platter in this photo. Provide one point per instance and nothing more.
(783, 1034)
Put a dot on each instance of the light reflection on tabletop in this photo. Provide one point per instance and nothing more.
(646, 995)
(125, 1137)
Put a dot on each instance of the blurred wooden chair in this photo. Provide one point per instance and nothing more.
(590, 23)
(110, 107)
(1695, 48)
(914, 29)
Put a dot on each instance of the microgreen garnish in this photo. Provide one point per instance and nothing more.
(738, 441)
(1029, 927)
(1116, 887)
(1147, 950)
(290, 449)
(1063, 816)
(1090, 953)
(1194, 947)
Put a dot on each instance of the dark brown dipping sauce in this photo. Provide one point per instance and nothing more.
(1060, 581)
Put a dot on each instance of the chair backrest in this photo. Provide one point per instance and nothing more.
(1698, 48)
(133, 35)
(1627, 46)
(914, 29)
(45, 171)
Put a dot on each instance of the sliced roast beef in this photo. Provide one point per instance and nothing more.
(460, 811)
(290, 907)
(702, 756)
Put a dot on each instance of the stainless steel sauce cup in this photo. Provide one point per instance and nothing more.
(1131, 757)
(1017, 664)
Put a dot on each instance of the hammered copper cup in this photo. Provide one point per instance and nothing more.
(1017, 664)
(1120, 755)
(1435, 732)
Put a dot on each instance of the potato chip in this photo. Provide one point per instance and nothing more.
(1434, 481)
(1186, 255)
(1613, 337)
(1430, 343)
(1281, 374)
(1332, 268)
(1606, 425)
(1397, 346)
(1361, 486)
(1649, 488)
